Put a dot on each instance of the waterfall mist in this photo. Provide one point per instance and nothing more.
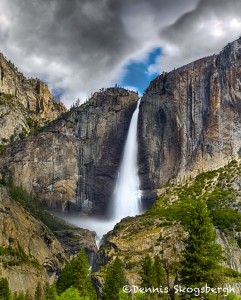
(127, 195)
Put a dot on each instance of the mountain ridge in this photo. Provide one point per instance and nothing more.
(26, 104)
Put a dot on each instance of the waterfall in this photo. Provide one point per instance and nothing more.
(127, 195)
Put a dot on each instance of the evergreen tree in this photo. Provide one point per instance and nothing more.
(201, 256)
(159, 272)
(19, 296)
(122, 295)
(140, 296)
(148, 273)
(38, 292)
(51, 293)
(4, 289)
(114, 280)
(72, 294)
(76, 274)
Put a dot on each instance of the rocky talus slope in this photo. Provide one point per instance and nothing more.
(25, 104)
(74, 161)
(161, 230)
(190, 119)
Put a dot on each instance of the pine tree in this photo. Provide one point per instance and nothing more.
(114, 280)
(4, 289)
(201, 256)
(72, 294)
(159, 272)
(38, 292)
(51, 293)
(148, 273)
(76, 274)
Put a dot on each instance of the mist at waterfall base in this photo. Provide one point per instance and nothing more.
(127, 195)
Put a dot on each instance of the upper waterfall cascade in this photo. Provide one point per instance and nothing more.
(127, 195)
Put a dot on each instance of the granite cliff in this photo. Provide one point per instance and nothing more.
(74, 161)
(25, 104)
(190, 119)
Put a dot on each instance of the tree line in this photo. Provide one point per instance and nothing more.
(198, 266)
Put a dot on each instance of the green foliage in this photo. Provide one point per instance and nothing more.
(148, 273)
(4, 251)
(212, 187)
(33, 125)
(140, 296)
(231, 273)
(4, 289)
(5, 98)
(2, 148)
(38, 292)
(36, 208)
(76, 274)
(17, 257)
(12, 137)
(51, 293)
(226, 218)
(114, 280)
(21, 296)
(201, 256)
(72, 294)
(232, 296)
(160, 272)
(122, 295)
(152, 275)
(23, 134)
(2, 180)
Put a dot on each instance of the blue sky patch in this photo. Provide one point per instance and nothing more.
(137, 74)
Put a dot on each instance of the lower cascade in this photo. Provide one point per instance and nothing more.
(127, 195)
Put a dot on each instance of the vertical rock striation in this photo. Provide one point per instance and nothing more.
(74, 161)
(190, 119)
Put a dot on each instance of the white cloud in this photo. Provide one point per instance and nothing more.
(79, 46)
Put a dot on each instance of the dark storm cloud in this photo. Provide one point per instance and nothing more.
(82, 45)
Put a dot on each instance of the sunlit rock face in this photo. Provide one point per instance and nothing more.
(190, 119)
(25, 104)
(20, 230)
(73, 163)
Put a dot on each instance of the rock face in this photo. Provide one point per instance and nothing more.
(190, 119)
(74, 161)
(30, 253)
(189, 122)
(25, 104)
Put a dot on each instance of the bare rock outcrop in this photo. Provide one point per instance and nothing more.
(74, 161)
(190, 119)
(30, 253)
(25, 104)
